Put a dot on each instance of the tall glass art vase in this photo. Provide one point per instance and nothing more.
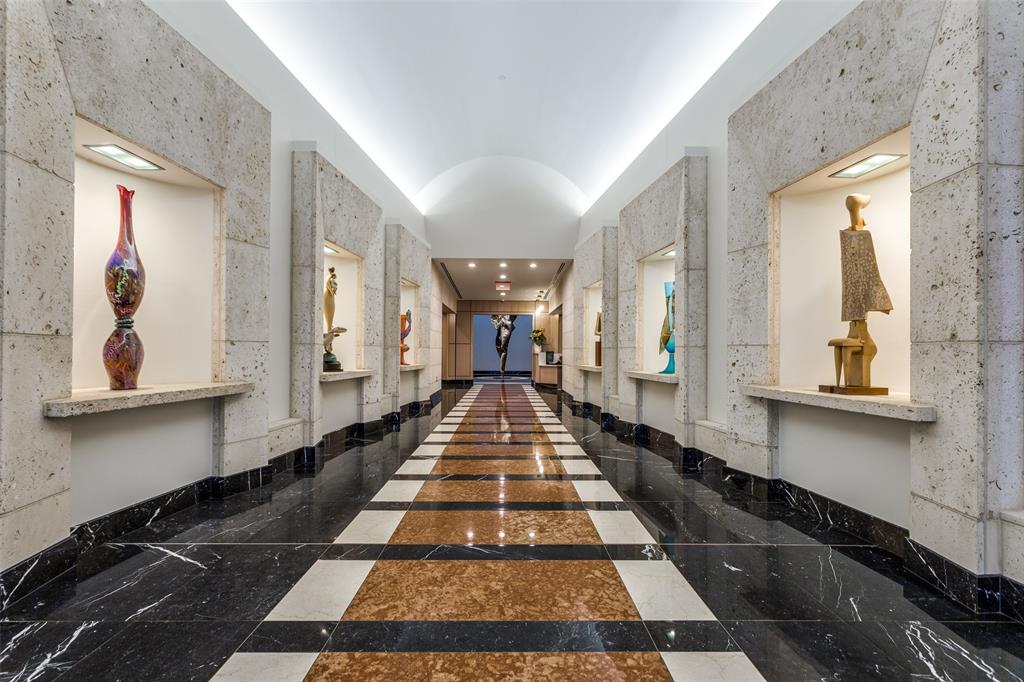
(668, 329)
(125, 280)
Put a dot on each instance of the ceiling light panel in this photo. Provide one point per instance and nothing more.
(865, 166)
(123, 157)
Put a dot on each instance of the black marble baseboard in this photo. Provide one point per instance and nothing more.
(980, 593)
(39, 569)
(456, 383)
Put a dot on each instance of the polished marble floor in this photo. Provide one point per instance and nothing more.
(498, 538)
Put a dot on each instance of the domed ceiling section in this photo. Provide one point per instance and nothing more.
(425, 87)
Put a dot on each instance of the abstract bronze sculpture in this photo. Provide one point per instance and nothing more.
(863, 291)
(504, 325)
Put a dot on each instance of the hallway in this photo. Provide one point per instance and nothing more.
(497, 537)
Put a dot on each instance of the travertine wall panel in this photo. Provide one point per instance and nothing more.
(952, 72)
(672, 210)
(58, 61)
(327, 206)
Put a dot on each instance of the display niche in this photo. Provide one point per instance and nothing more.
(845, 261)
(409, 305)
(656, 317)
(592, 325)
(136, 324)
(342, 308)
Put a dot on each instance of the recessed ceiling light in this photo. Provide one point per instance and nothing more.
(502, 276)
(472, 264)
(865, 166)
(123, 157)
(533, 265)
(502, 265)
(501, 293)
(669, 254)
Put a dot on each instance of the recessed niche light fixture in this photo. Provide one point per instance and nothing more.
(533, 265)
(328, 249)
(865, 166)
(472, 264)
(123, 157)
(669, 254)
(502, 265)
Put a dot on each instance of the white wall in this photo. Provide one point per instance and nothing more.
(339, 403)
(855, 459)
(811, 281)
(109, 471)
(653, 276)
(658, 408)
(174, 237)
(348, 309)
(792, 27)
(215, 29)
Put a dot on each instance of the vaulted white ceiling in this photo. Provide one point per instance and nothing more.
(436, 91)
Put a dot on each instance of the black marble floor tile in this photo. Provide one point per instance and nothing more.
(44, 650)
(243, 583)
(690, 635)
(469, 552)
(810, 650)
(153, 652)
(114, 582)
(289, 636)
(490, 636)
(750, 582)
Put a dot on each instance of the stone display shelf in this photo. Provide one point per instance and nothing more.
(99, 400)
(345, 375)
(590, 368)
(892, 406)
(410, 368)
(652, 376)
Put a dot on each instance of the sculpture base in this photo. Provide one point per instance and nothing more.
(853, 390)
(331, 363)
(597, 354)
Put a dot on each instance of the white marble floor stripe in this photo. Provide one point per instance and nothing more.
(417, 466)
(710, 666)
(324, 592)
(620, 527)
(596, 491)
(398, 491)
(660, 592)
(371, 527)
(266, 667)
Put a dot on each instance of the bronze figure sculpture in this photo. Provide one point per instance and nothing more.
(863, 291)
(504, 325)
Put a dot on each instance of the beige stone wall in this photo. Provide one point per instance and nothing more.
(58, 62)
(946, 71)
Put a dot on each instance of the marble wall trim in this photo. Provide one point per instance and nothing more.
(951, 71)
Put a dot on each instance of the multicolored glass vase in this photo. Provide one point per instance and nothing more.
(125, 280)
(668, 329)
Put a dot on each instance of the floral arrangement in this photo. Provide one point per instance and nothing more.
(537, 336)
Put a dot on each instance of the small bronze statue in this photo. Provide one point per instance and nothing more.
(863, 291)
